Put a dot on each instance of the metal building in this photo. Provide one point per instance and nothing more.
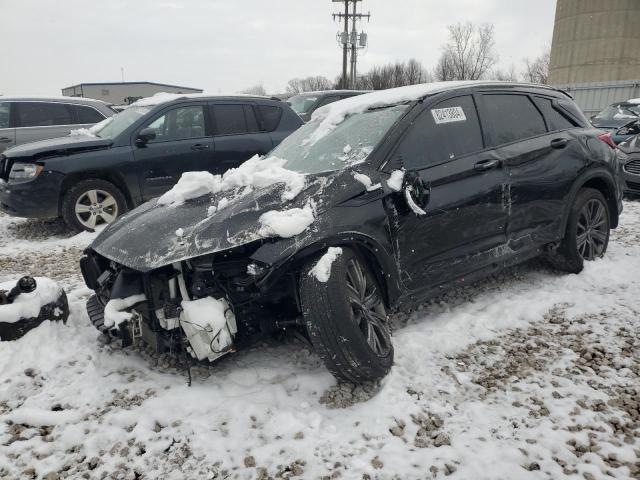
(123, 93)
(595, 41)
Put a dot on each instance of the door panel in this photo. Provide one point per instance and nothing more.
(181, 145)
(466, 215)
(465, 219)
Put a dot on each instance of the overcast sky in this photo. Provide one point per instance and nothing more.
(228, 45)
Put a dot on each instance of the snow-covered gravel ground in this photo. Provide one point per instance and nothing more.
(527, 375)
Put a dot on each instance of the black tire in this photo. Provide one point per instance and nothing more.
(573, 252)
(338, 320)
(75, 198)
(95, 309)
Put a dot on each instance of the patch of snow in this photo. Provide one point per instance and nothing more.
(330, 116)
(366, 181)
(286, 223)
(412, 204)
(395, 180)
(209, 314)
(28, 305)
(180, 232)
(346, 149)
(634, 100)
(322, 269)
(114, 310)
(256, 172)
(91, 131)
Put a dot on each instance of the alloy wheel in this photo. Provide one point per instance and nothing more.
(96, 207)
(367, 308)
(593, 229)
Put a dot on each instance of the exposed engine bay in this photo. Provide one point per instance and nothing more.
(196, 306)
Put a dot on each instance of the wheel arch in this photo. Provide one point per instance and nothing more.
(71, 179)
(602, 181)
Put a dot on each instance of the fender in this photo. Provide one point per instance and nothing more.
(382, 256)
(601, 174)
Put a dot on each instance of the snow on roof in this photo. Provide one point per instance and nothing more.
(634, 100)
(163, 97)
(330, 116)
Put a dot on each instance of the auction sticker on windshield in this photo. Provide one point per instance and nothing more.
(448, 115)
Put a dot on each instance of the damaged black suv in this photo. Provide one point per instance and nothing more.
(381, 200)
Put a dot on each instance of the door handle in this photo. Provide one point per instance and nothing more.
(200, 146)
(486, 165)
(559, 143)
(5, 139)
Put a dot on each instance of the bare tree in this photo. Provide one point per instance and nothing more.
(504, 75)
(397, 74)
(255, 90)
(537, 70)
(469, 54)
(308, 84)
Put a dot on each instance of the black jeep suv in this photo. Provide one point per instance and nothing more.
(381, 200)
(95, 175)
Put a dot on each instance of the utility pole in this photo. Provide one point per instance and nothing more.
(350, 41)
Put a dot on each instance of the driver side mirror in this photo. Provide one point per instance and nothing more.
(416, 192)
(145, 136)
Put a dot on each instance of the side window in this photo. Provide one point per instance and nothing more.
(180, 123)
(512, 118)
(555, 120)
(5, 114)
(252, 121)
(442, 132)
(42, 114)
(87, 114)
(229, 119)
(270, 117)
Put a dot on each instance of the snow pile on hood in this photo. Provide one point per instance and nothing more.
(395, 180)
(366, 181)
(330, 116)
(322, 269)
(286, 223)
(28, 305)
(91, 131)
(114, 310)
(254, 173)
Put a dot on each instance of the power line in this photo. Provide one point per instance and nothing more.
(352, 41)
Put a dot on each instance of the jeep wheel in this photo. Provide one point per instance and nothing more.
(347, 321)
(587, 233)
(92, 203)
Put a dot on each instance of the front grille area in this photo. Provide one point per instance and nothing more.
(635, 186)
(632, 167)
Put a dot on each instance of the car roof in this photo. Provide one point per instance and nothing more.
(35, 98)
(331, 92)
(165, 98)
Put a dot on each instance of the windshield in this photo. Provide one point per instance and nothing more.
(349, 143)
(302, 103)
(121, 121)
(619, 111)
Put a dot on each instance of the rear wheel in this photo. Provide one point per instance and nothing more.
(92, 203)
(347, 320)
(587, 234)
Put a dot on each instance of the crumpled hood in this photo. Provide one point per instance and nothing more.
(60, 146)
(613, 124)
(147, 237)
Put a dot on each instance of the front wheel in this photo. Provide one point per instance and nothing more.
(587, 233)
(347, 320)
(92, 203)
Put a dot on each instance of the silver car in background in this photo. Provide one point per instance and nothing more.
(29, 119)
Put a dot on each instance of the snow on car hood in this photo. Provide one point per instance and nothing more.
(155, 235)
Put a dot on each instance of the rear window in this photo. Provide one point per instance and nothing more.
(270, 117)
(555, 120)
(86, 114)
(42, 114)
(512, 118)
(229, 119)
(441, 133)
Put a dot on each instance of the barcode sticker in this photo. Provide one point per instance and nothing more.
(448, 115)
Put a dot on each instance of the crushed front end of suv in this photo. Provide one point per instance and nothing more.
(382, 200)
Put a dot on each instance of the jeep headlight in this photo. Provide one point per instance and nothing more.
(23, 172)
